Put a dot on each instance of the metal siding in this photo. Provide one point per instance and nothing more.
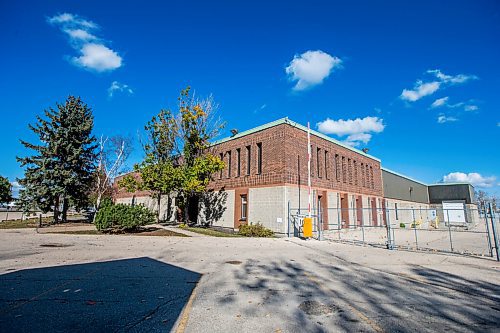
(398, 187)
(439, 193)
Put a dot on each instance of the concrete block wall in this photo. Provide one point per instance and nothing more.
(152, 204)
(227, 218)
(269, 206)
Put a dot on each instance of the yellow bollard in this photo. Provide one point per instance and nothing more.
(307, 227)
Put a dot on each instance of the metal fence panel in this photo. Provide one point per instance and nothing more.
(453, 229)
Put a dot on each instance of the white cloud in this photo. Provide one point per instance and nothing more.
(311, 68)
(61, 18)
(439, 102)
(94, 54)
(351, 126)
(445, 119)
(355, 140)
(420, 90)
(98, 57)
(473, 178)
(444, 102)
(119, 87)
(15, 188)
(357, 130)
(70, 20)
(80, 34)
(471, 107)
(457, 79)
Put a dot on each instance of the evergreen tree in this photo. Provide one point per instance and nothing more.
(60, 171)
(5, 190)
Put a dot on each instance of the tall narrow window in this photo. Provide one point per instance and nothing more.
(372, 184)
(249, 159)
(318, 162)
(326, 164)
(349, 168)
(396, 210)
(363, 174)
(344, 173)
(244, 207)
(238, 162)
(355, 166)
(259, 158)
(229, 164)
(221, 155)
(337, 168)
(367, 176)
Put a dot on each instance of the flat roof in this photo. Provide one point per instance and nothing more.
(417, 181)
(296, 125)
(440, 184)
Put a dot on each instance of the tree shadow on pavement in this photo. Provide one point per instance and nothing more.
(140, 294)
(350, 297)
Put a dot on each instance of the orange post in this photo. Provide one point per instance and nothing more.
(307, 227)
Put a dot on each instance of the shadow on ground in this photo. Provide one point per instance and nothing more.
(132, 295)
(355, 298)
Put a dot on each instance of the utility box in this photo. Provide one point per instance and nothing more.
(307, 227)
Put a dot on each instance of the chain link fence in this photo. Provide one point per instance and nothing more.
(467, 230)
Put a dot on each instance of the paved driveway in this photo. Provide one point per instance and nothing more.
(72, 283)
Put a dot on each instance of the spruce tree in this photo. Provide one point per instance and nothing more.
(5, 190)
(59, 172)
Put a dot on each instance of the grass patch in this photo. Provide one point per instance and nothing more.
(139, 232)
(208, 231)
(19, 224)
(76, 232)
(32, 222)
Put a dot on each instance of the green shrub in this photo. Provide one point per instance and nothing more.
(255, 230)
(123, 217)
(402, 225)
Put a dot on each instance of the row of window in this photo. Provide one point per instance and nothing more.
(345, 170)
(248, 152)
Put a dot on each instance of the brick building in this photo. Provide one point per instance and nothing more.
(266, 167)
(266, 173)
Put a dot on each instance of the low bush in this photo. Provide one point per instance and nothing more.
(123, 217)
(402, 225)
(255, 230)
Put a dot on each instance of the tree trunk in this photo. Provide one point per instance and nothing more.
(169, 207)
(186, 210)
(65, 210)
(56, 210)
(159, 208)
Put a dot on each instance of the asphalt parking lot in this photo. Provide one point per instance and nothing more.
(61, 283)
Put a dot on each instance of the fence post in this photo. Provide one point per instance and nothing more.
(288, 218)
(490, 248)
(414, 227)
(494, 229)
(363, 230)
(40, 220)
(390, 243)
(449, 228)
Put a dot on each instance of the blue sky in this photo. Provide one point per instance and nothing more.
(415, 82)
